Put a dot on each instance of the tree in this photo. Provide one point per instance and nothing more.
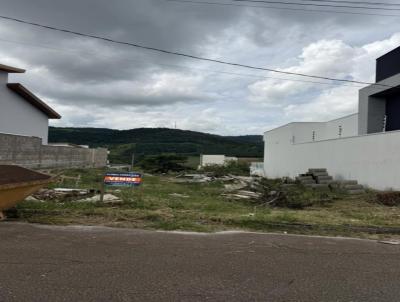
(163, 163)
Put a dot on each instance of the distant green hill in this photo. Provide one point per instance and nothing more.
(150, 141)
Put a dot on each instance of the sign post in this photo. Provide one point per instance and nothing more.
(120, 179)
(133, 161)
(123, 179)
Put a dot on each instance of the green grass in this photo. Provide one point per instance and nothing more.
(151, 206)
(193, 162)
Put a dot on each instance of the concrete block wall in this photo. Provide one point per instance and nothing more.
(29, 152)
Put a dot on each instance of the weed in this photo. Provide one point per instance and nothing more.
(154, 206)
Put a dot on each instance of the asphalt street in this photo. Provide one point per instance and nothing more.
(47, 263)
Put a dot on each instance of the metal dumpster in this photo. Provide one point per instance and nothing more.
(17, 183)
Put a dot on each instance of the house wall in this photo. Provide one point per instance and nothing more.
(373, 160)
(303, 132)
(372, 105)
(349, 126)
(17, 116)
(30, 153)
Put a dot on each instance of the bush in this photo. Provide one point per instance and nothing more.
(390, 199)
(231, 167)
(163, 163)
(295, 196)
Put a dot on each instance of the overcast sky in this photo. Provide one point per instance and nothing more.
(97, 84)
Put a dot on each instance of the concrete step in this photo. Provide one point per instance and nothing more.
(334, 185)
(324, 178)
(308, 182)
(319, 174)
(301, 178)
(326, 182)
(316, 170)
(353, 187)
(348, 182)
(319, 186)
(355, 192)
(305, 175)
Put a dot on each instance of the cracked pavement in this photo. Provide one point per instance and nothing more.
(48, 263)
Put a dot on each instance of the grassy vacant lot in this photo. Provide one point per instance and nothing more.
(204, 209)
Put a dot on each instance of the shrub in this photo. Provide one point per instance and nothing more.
(231, 167)
(296, 196)
(163, 163)
(388, 198)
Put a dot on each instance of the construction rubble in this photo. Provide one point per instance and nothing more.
(73, 195)
(62, 194)
(277, 193)
(200, 178)
(267, 192)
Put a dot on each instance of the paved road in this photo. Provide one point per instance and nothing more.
(40, 263)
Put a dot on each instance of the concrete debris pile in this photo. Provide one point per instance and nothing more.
(192, 178)
(73, 195)
(177, 195)
(243, 194)
(61, 194)
(107, 198)
(201, 178)
(242, 188)
(276, 193)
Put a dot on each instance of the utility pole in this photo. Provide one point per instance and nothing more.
(133, 161)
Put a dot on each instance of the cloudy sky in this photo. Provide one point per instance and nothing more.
(93, 83)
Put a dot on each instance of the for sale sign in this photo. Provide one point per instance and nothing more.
(123, 179)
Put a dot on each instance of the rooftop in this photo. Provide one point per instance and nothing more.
(11, 69)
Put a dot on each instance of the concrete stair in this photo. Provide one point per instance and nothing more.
(312, 171)
(356, 192)
(319, 178)
(352, 187)
(306, 179)
(318, 186)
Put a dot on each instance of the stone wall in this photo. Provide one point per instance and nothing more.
(29, 152)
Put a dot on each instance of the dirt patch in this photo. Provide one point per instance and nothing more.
(15, 174)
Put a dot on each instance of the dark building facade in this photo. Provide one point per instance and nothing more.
(388, 65)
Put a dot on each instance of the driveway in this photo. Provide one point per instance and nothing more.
(46, 263)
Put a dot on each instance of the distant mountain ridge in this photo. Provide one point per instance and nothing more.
(150, 141)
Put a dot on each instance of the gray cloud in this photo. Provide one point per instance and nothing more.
(85, 79)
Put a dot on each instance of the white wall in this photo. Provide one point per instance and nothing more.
(373, 160)
(306, 132)
(17, 116)
(349, 127)
(212, 160)
(303, 132)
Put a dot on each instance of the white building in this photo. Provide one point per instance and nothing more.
(364, 146)
(21, 112)
(207, 160)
